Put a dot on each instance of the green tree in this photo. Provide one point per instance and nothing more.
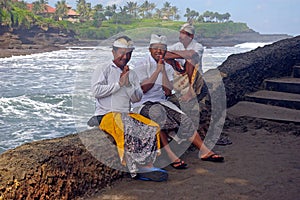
(84, 10)
(174, 10)
(61, 9)
(208, 15)
(190, 15)
(132, 8)
(39, 7)
(166, 10)
(108, 12)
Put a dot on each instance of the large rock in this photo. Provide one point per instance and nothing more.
(244, 73)
(59, 168)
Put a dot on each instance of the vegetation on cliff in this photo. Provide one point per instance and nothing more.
(101, 22)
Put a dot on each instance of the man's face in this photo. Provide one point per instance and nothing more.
(158, 50)
(121, 57)
(185, 38)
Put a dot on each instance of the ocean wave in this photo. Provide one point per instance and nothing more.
(251, 45)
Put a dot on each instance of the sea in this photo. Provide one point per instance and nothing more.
(47, 95)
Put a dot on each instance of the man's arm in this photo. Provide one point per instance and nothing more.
(100, 86)
(148, 83)
(182, 54)
(135, 92)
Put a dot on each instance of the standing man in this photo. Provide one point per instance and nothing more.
(115, 87)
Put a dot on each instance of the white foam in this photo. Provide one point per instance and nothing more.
(251, 45)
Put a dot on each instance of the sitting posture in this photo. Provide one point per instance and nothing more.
(156, 81)
(115, 87)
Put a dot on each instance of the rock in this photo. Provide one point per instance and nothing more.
(245, 72)
(59, 168)
(68, 167)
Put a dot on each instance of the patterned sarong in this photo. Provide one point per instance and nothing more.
(137, 138)
(169, 118)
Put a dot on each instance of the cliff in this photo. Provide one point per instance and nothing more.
(34, 40)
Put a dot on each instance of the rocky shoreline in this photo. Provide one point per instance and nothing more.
(66, 168)
(37, 40)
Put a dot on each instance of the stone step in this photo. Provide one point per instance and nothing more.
(285, 84)
(263, 111)
(283, 99)
(296, 71)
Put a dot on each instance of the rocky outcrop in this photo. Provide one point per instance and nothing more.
(244, 73)
(239, 38)
(34, 40)
(62, 168)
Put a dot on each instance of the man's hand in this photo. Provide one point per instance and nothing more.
(124, 80)
(161, 64)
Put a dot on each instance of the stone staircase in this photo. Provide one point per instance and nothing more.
(278, 101)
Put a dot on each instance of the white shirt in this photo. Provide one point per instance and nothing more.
(144, 68)
(110, 97)
(197, 47)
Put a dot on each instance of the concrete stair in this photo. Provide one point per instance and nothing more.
(282, 99)
(286, 84)
(279, 101)
(296, 72)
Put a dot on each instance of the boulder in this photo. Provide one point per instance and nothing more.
(62, 168)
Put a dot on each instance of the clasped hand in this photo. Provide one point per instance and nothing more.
(124, 77)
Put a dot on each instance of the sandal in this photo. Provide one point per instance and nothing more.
(214, 158)
(179, 165)
(152, 174)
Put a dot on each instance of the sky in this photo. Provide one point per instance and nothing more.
(263, 16)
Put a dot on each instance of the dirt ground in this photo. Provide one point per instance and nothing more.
(259, 164)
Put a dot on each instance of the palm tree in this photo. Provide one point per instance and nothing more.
(108, 12)
(37, 8)
(61, 9)
(132, 8)
(158, 13)
(167, 9)
(84, 9)
(40, 7)
(174, 10)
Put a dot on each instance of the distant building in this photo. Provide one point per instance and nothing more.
(49, 11)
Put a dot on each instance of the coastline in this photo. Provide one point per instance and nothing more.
(12, 46)
(262, 162)
(5, 53)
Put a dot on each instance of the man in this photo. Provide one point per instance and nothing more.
(115, 87)
(190, 89)
(156, 81)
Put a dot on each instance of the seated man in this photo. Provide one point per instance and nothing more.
(115, 87)
(156, 82)
(189, 86)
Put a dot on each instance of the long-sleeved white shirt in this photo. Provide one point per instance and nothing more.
(197, 47)
(144, 68)
(110, 97)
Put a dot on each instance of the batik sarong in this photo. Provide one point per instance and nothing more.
(169, 118)
(137, 138)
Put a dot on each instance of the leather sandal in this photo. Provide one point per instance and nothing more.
(179, 165)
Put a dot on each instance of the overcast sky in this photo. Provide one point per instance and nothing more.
(263, 16)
